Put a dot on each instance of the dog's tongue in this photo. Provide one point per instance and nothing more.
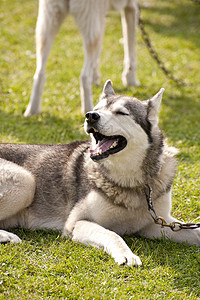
(102, 146)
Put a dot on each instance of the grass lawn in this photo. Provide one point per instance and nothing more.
(45, 265)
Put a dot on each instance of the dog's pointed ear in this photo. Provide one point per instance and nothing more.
(153, 107)
(107, 90)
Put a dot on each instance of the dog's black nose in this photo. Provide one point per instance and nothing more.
(92, 117)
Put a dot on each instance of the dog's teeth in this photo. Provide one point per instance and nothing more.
(114, 144)
(95, 130)
(100, 151)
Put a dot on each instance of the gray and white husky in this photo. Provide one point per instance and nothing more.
(93, 191)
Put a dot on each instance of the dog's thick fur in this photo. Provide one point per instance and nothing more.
(95, 191)
(90, 18)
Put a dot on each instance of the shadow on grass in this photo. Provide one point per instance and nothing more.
(39, 237)
(42, 129)
(179, 118)
(185, 23)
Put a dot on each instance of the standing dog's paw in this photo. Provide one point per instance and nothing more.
(129, 78)
(8, 237)
(128, 259)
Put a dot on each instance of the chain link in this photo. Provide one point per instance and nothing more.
(154, 54)
(175, 225)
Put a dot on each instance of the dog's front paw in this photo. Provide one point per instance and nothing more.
(32, 111)
(8, 237)
(128, 259)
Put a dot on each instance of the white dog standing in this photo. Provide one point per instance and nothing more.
(90, 19)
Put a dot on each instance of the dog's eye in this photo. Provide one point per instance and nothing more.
(121, 113)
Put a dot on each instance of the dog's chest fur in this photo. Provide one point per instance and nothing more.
(133, 197)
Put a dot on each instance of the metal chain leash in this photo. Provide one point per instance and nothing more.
(174, 226)
(154, 54)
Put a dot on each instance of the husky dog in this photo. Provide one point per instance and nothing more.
(94, 190)
(90, 19)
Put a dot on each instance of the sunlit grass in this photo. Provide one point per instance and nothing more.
(46, 266)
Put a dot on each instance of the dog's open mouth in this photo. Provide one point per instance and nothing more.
(106, 145)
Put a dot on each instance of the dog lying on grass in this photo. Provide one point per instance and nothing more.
(94, 191)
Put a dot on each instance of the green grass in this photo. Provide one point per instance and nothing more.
(45, 265)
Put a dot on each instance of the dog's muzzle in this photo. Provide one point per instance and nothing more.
(105, 145)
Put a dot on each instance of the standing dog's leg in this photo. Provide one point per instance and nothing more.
(90, 73)
(50, 17)
(17, 187)
(96, 72)
(90, 19)
(129, 26)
